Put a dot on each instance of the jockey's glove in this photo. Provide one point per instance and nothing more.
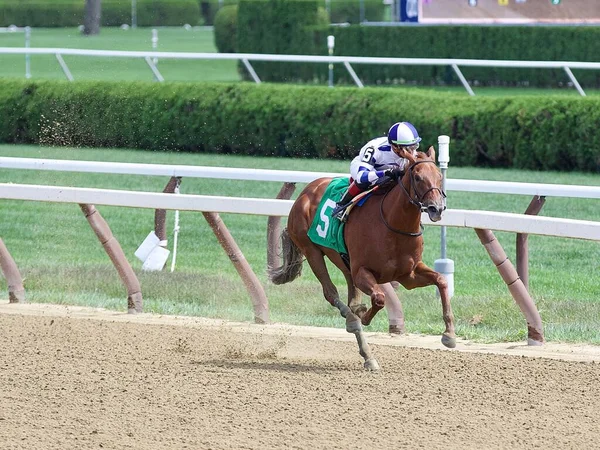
(394, 173)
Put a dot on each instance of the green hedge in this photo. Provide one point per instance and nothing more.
(469, 42)
(210, 8)
(226, 24)
(348, 11)
(225, 30)
(280, 27)
(557, 133)
(340, 11)
(66, 13)
(292, 28)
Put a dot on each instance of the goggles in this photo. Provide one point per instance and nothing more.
(409, 148)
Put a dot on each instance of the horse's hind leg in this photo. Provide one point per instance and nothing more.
(393, 307)
(316, 260)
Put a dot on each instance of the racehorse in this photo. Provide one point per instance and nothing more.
(384, 241)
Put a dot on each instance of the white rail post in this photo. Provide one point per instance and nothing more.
(175, 233)
(330, 46)
(133, 14)
(27, 55)
(154, 43)
(361, 7)
(444, 265)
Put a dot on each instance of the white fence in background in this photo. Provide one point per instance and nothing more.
(27, 31)
(517, 223)
(347, 61)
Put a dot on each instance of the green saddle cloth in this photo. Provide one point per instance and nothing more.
(326, 230)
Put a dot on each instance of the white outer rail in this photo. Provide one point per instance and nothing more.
(518, 223)
(27, 31)
(345, 60)
(285, 176)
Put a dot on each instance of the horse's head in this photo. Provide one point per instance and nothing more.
(423, 183)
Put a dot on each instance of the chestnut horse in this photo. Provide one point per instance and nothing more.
(384, 241)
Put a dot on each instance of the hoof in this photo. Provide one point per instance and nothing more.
(448, 341)
(396, 329)
(372, 365)
(534, 342)
(366, 321)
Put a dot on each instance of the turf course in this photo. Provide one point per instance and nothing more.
(62, 261)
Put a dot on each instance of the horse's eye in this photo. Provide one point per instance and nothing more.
(418, 178)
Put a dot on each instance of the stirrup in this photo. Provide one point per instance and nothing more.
(344, 211)
(339, 210)
(343, 214)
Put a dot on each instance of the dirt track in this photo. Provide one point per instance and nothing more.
(80, 378)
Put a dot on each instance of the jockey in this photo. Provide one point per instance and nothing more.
(378, 161)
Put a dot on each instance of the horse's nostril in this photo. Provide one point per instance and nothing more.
(432, 209)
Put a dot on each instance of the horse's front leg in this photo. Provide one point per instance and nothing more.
(424, 276)
(317, 263)
(366, 282)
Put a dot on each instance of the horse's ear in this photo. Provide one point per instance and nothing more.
(406, 154)
(431, 153)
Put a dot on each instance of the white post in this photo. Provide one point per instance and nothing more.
(330, 46)
(175, 233)
(444, 265)
(154, 43)
(133, 14)
(27, 55)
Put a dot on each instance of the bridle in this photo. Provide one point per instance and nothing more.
(419, 198)
(417, 201)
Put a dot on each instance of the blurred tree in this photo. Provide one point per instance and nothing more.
(91, 21)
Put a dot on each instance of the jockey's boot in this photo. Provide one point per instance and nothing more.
(340, 208)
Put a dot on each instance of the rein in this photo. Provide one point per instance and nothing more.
(391, 228)
(418, 202)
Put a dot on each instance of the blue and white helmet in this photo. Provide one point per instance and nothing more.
(403, 133)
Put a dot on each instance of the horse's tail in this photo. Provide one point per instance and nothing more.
(292, 262)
